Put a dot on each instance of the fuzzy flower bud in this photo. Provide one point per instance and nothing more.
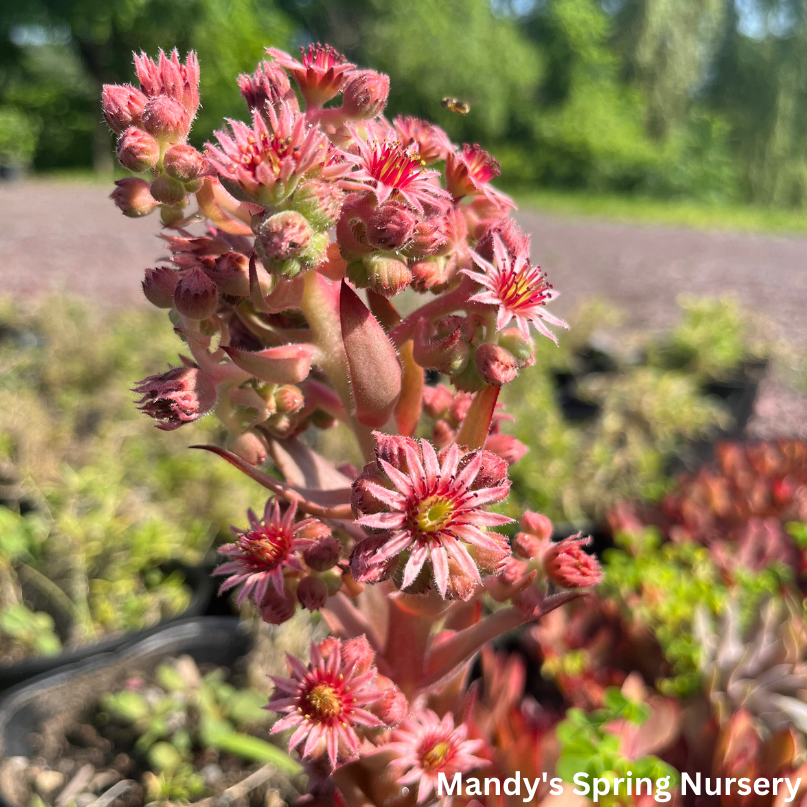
(391, 225)
(365, 95)
(384, 274)
(522, 349)
(183, 162)
(159, 285)
(323, 555)
(358, 654)
(268, 84)
(496, 365)
(429, 237)
(166, 118)
(283, 235)
(289, 399)
(137, 150)
(364, 563)
(122, 105)
(169, 191)
(513, 237)
(567, 565)
(393, 706)
(277, 608)
(250, 447)
(180, 395)
(528, 546)
(430, 273)
(196, 296)
(312, 593)
(133, 197)
(320, 202)
(536, 524)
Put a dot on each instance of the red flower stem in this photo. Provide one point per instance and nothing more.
(476, 426)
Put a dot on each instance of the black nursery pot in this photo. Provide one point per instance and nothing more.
(55, 701)
(197, 578)
(738, 393)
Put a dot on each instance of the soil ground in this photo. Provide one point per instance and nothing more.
(70, 237)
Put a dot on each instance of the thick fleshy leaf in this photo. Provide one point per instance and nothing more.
(287, 364)
(410, 404)
(302, 466)
(475, 427)
(375, 370)
(208, 198)
(321, 503)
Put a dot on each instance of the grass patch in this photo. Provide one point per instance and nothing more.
(689, 214)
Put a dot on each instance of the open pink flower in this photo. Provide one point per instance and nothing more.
(324, 702)
(426, 746)
(433, 512)
(389, 169)
(320, 74)
(469, 172)
(264, 162)
(517, 289)
(264, 551)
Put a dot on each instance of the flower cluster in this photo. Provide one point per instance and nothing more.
(311, 216)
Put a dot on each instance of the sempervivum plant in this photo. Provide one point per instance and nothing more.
(288, 240)
(745, 507)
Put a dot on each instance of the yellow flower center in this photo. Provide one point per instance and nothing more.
(434, 514)
(435, 757)
(325, 701)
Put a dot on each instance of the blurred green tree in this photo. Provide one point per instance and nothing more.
(61, 51)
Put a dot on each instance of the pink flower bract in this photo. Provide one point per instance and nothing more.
(324, 702)
(433, 512)
(517, 289)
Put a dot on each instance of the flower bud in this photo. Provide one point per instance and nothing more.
(320, 202)
(277, 608)
(430, 273)
(313, 529)
(289, 399)
(493, 472)
(180, 395)
(323, 555)
(283, 235)
(196, 296)
(269, 83)
(391, 225)
(528, 546)
(523, 350)
(133, 197)
(491, 560)
(506, 446)
(358, 654)
(312, 593)
(567, 565)
(384, 274)
(365, 95)
(364, 565)
(250, 447)
(393, 706)
(231, 274)
(536, 524)
(166, 118)
(168, 191)
(159, 285)
(183, 162)
(496, 366)
(436, 400)
(392, 449)
(137, 150)
(513, 237)
(443, 434)
(122, 105)
(429, 237)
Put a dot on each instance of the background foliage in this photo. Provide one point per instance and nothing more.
(700, 99)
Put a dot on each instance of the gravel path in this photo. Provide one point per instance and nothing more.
(70, 237)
